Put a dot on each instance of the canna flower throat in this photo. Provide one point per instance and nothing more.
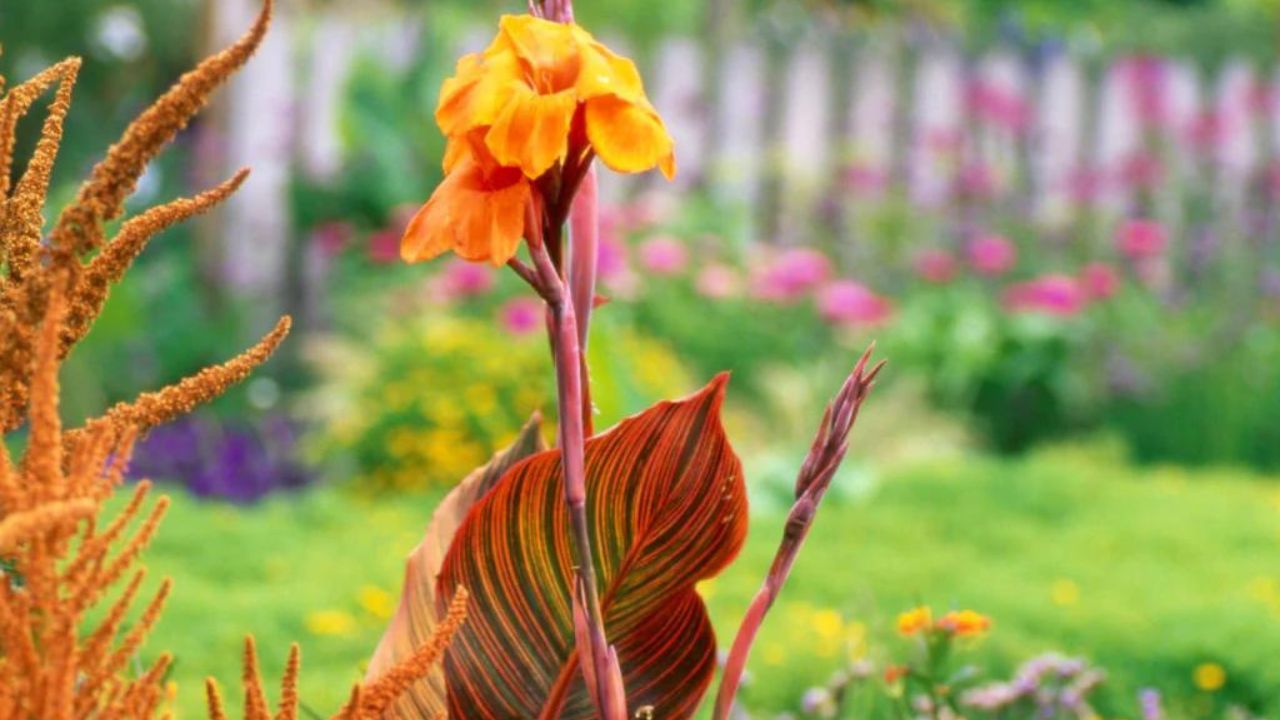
(523, 120)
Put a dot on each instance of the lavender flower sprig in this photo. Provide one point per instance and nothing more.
(824, 458)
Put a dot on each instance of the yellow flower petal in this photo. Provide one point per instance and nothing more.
(606, 73)
(532, 131)
(549, 51)
(629, 137)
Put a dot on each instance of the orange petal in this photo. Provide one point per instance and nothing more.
(629, 137)
(478, 215)
(532, 131)
(605, 72)
(549, 50)
(476, 93)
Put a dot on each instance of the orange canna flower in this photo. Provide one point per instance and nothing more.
(962, 623)
(915, 620)
(542, 96)
(537, 83)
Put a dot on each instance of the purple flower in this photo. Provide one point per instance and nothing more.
(1150, 703)
(663, 255)
(935, 266)
(522, 316)
(790, 275)
(1050, 294)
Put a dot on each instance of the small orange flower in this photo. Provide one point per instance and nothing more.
(915, 620)
(894, 673)
(962, 623)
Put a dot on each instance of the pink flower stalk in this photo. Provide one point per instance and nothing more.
(462, 279)
(718, 282)
(1099, 280)
(791, 275)
(1138, 239)
(935, 266)
(663, 255)
(522, 316)
(849, 303)
(1145, 82)
(1050, 294)
(999, 106)
(991, 255)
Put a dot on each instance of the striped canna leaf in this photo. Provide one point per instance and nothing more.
(667, 507)
(420, 611)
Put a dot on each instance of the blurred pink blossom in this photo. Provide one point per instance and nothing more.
(1141, 169)
(935, 266)
(976, 180)
(663, 255)
(1085, 185)
(1139, 238)
(332, 237)
(845, 302)
(466, 279)
(384, 245)
(1099, 280)
(717, 281)
(991, 255)
(999, 106)
(611, 257)
(522, 316)
(1144, 79)
(863, 178)
(1207, 130)
(790, 274)
(1051, 294)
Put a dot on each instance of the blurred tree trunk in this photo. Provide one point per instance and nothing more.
(716, 32)
(843, 79)
(769, 204)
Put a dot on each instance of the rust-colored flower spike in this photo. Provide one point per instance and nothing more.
(79, 230)
(368, 700)
(60, 559)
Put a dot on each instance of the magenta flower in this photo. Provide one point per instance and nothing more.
(1099, 280)
(991, 255)
(935, 266)
(976, 180)
(1145, 82)
(718, 282)
(1049, 294)
(845, 302)
(1139, 239)
(863, 179)
(611, 258)
(462, 279)
(663, 255)
(332, 237)
(791, 274)
(522, 316)
(1141, 169)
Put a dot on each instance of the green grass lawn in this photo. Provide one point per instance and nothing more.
(1148, 572)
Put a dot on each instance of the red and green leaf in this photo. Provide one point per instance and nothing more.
(420, 611)
(667, 507)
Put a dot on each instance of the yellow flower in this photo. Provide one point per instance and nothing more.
(330, 622)
(915, 620)
(376, 601)
(962, 623)
(1209, 677)
(1064, 592)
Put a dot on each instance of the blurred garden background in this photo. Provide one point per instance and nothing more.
(1060, 221)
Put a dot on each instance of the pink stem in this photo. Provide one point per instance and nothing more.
(584, 244)
(607, 693)
(825, 456)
